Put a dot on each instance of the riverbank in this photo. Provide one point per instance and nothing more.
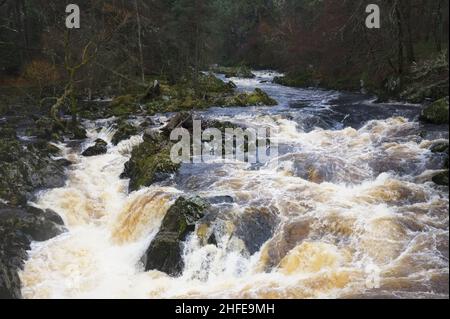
(424, 82)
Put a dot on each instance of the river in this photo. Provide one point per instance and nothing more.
(347, 210)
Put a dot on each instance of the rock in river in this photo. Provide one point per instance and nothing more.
(25, 169)
(165, 251)
(18, 227)
(436, 113)
(100, 148)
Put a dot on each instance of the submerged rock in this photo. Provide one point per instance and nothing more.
(436, 113)
(290, 235)
(220, 200)
(100, 148)
(256, 226)
(165, 251)
(18, 227)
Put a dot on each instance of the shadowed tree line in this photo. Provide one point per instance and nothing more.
(123, 43)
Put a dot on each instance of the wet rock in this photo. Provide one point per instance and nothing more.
(49, 129)
(210, 84)
(256, 98)
(304, 78)
(100, 148)
(124, 132)
(152, 135)
(18, 227)
(148, 122)
(150, 162)
(206, 235)
(441, 179)
(440, 147)
(25, 169)
(299, 104)
(165, 251)
(436, 113)
(256, 226)
(238, 72)
(122, 106)
(179, 120)
(291, 235)
(220, 200)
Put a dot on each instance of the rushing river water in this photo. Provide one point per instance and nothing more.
(347, 210)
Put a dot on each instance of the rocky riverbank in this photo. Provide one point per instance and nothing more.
(26, 166)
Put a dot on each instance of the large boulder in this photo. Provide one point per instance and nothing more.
(150, 162)
(18, 227)
(256, 226)
(436, 113)
(165, 251)
(100, 148)
(26, 168)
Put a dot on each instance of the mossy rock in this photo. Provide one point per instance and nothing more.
(26, 169)
(100, 148)
(436, 113)
(441, 178)
(7, 132)
(50, 129)
(234, 72)
(296, 79)
(165, 251)
(211, 84)
(124, 132)
(441, 147)
(256, 98)
(124, 105)
(150, 163)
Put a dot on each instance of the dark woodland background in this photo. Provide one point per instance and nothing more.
(317, 42)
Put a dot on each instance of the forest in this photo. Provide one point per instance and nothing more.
(124, 43)
(354, 203)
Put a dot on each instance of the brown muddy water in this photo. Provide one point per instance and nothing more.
(347, 210)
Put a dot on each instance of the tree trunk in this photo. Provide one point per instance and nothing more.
(438, 27)
(400, 53)
(410, 56)
(141, 54)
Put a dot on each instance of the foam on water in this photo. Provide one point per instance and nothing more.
(339, 200)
